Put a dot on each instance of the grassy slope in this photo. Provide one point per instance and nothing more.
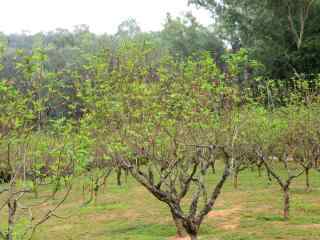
(252, 212)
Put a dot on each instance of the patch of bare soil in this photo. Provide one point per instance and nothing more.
(225, 212)
(310, 226)
(229, 219)
(179, 238)
(263, 209)
(111, 216)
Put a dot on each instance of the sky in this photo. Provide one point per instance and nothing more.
(102, 16)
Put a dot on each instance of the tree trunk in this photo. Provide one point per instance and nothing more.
(316, 163)
(57, 187)
(235, 180)
(213, 167)
(286, 206)
(307, 179)
(95, 200)
(179, 225)
(193, 236)
(12, 207)
(119, 177)
(192, 229)
(269, 177)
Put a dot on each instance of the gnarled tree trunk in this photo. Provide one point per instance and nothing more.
(181, 232)
(192, 230)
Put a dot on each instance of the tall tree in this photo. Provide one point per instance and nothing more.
(185, 36)
(280, 33)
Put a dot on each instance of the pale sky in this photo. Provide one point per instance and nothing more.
(101, 15)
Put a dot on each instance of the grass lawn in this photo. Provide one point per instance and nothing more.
(252, 212)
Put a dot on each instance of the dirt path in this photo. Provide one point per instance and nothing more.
(229, 219)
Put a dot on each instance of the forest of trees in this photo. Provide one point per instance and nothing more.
(168, 109)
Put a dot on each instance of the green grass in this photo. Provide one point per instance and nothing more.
(252, 212)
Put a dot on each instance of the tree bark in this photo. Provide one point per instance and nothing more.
(286, 206)
(193, 236)
(213, 167)
(192, 229)
(179, 225)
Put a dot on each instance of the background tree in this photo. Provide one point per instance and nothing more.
(278, 33)
(184, 36)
